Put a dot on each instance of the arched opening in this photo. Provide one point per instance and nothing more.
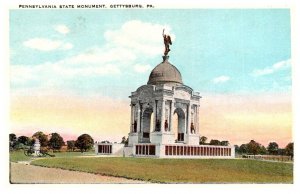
(147, 124)
(179, 124)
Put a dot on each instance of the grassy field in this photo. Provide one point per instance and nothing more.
(179, 170)
(15, 156)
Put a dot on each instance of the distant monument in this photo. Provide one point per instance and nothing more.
(37, 147)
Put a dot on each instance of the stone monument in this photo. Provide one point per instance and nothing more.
(165, 111)
(37, 147)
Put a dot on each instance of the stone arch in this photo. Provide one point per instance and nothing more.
(147, 123)
(179, 124)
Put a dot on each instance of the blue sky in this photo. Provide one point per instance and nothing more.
(112, 52)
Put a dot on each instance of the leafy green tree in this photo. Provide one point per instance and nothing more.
(71, 145)
(43, 138)
(281, 151)
(12, 141)
(214, 142)
(56, 141)
(224, 143)
(253, 147)
(273, 148)
(289, 150)
(24, 140)
(84, 142)
(243, 149)
(202, 140)
(12, 137)
(262, 150)
(237, 149)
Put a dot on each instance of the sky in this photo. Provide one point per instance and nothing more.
(71, 71)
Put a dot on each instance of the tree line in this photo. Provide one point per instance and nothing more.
(53, 141)
(254, 147)
(203, 139)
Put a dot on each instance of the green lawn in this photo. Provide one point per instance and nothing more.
(15, 156)
(179, 170)
(72, 154)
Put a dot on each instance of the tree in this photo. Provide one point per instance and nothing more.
(24, 140)
(12, 141)
(253, 147)
(56, 141)
(43, 138)
(71, 145)
(214, 142)
(12, 137)
(224, 143)
(237, 149)
(203, 140)
(84, 142)
(281, 151)
(289, 150)
(243, 149)
(262, 150)
(273, 148)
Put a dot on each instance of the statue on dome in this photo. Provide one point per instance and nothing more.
(167, 42)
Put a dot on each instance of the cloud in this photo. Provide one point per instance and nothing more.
(67, 46)
(63, 29)
(143, 38)
(125, 50)
(272, 69)
(141, 68)
(44, 44)
(221, 79)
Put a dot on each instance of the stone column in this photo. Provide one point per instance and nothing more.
(154, 115)
(189, 118)
(162, 119)
(131, 118)
(198, 120)
(138, 129)
(171, 116)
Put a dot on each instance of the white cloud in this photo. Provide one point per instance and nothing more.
(221, 79)
(63, 29)
(141, 68)
(272, 69)
(126, 49)
(67, 46)
(44, 44)
(142, 38)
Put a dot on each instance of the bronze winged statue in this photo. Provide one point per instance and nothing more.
(167, 42)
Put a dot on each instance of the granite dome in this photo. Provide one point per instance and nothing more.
(165, 72)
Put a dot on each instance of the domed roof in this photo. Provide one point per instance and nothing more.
(165, 72)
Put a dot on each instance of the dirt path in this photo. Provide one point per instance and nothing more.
(23, 173)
